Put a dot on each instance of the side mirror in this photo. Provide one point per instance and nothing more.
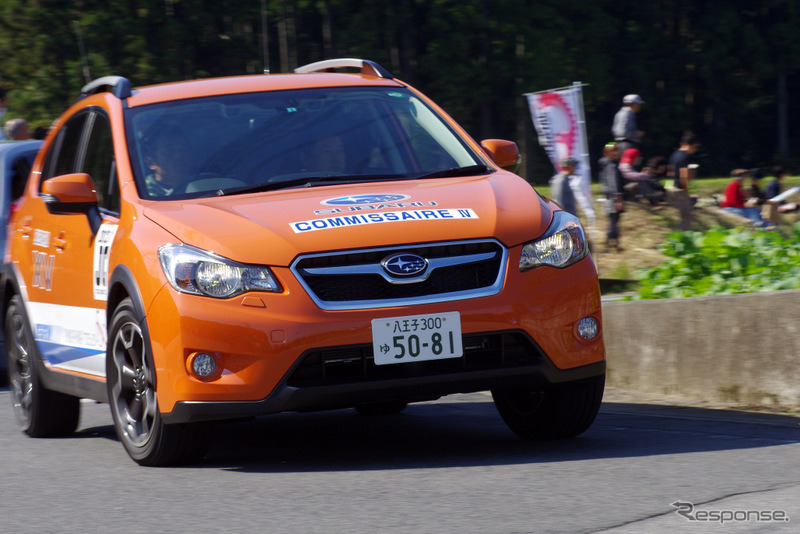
(71, 194)
(504, 153)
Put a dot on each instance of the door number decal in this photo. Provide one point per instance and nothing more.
(43, 265)
(102, 250)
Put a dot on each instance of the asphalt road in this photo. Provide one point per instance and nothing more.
(447, 466)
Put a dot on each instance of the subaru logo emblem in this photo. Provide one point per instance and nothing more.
(357, 200)
(405, 265)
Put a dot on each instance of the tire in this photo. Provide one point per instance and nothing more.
(131, 383)
(40, 412)
(381, 408)
(563, 411)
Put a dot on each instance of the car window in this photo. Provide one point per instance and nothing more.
(99, 164)
(65, 148)
(20, 171)
(202, 146)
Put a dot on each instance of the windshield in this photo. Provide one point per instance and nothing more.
(272, 140)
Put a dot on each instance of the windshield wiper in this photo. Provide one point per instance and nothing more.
(455, 171)
(316, 180)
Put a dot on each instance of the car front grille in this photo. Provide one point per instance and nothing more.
(355, 364)
(357, 280)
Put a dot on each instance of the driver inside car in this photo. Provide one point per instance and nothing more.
(169, 162)
(326, 155)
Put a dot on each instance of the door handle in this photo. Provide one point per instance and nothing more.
(59, 242)
(25, 227)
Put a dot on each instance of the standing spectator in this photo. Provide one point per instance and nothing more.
(581, 184)
(682, 171)
(613, 187)
(16, 129)
(625, 131)
(3, 109)
(560, 189)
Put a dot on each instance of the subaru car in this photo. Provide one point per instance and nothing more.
(329, 238)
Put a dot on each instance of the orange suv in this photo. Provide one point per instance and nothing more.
(226, 248)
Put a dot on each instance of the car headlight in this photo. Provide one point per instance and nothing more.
(195, 271)
(562, 244)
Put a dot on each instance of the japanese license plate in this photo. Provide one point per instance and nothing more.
(415, 338)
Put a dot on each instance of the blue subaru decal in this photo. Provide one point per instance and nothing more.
(364, 199)
(405, 265)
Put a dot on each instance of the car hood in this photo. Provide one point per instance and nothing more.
(274, 227)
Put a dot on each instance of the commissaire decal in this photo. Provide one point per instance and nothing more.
(344, 221)
(102, 249)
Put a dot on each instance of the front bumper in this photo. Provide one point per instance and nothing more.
(539, 374)
(264, 342)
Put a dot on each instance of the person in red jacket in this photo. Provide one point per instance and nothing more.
(735, 200)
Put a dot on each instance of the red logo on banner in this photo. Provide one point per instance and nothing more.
(561, 123)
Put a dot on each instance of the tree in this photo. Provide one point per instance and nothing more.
(729, 71)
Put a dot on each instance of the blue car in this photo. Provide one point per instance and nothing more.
(16, 160)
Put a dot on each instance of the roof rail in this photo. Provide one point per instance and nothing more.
(116, 85)
(367, 67)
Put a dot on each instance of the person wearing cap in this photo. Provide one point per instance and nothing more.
(624, 129)
(560, 189)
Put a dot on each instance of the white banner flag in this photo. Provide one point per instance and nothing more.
(558, 118)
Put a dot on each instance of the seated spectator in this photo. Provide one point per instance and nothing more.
(639, 184)
(735, 200)
(757, 196)
(774, 185)
(774, 189)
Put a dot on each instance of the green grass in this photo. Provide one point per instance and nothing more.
(724, 262)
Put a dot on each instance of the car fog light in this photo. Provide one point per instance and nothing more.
(587, 328)
(204, 365)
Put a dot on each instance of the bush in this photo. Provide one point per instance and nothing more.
(723, 262)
